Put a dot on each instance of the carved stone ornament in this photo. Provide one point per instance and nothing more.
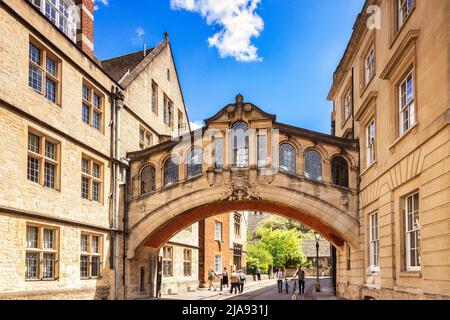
(141, 208)
(344, 200)
(211, 177)
(241, 186)
(270, 178)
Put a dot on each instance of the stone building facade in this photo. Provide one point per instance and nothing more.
(222, 244)
(391, 91)
(67, 122)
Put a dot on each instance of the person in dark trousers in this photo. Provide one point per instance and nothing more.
(234, 282)
(286, 285)
(279, 275)
(300, 274)
(242, 279)
(225, 277)
(258, 274)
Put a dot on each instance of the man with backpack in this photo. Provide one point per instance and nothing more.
(242, 279)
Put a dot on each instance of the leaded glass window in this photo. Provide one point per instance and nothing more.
(313, 165)
(148, 180)
(287, 158)
(240, 145)
(194, 163)
(171, 172)
(339, 172)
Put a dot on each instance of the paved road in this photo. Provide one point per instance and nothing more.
(267, 291)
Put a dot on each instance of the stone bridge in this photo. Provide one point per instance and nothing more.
(243, 159)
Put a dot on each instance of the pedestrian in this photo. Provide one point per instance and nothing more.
(211, 277)
(286, 284)
(234, 277)
(258, 274)
(242, 279)
(225, 277)
(300, 274)
(279, 275)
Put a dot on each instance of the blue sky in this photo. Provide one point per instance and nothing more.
(298, 50)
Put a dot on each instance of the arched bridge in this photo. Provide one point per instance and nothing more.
(243, 159)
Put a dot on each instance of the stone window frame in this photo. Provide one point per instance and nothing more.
(294, 153)
(146, 138)
(218, 267)
(43, 159)
(349, 257)
(395, 27)
(91, 178)
(369, 47)
(167, 259)
(321, 164)
(197, 167)
(347, 96)
(371, 144)
(90, 253)
(187, 262)
(176, 162)
(342, 179)
(46, 75)
(141, 180)
(93, 107)
(405, 231)
(219, 156)
(409, 106)
(261, 147)
(154, 98)
(41, 251)
(235, 148)
(168, 111)
(374, 241)
(237, 222)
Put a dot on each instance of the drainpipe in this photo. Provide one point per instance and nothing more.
(358, 170)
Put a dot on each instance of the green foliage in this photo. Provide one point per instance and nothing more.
(280, 223)
(258, 256)
(283, 245)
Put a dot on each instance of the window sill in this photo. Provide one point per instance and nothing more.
(372, 165)
(366, 86)
(413, 130)
(411, 274)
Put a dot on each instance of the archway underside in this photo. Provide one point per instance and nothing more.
(164, 233)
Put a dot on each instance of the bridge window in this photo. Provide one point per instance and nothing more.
(171, 172)
(194, 163)
(148, 180)
(287, 158)
(218, 152)
(240, 143)
(262, 150)
(339, 172)
(313, 165)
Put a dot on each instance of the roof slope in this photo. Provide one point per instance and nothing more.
(118, 67)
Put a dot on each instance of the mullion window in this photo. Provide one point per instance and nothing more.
(42, 163)
(92, 108)
(43, 73)
(41, 253)
(91, 180)
(90, 256)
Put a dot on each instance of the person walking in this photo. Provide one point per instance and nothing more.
(279, 275)
(286, 284)
(234, 281)
(225, 277)
(242, 279)
(258, 274)
(300, 274)
(211, 277)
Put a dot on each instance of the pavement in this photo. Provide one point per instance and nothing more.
(264, 290)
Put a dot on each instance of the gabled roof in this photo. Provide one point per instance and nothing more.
(118, 67)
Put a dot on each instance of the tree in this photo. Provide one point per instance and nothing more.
(283, 245)
(280, 223)
(258, 257)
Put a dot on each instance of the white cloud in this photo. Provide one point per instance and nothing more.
(139, 38)
(238, 23)
(196, 125)
(104, 2)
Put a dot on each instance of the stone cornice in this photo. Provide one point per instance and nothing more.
(359, 30)
(370, 97)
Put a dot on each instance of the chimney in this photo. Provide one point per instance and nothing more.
(85, 32)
